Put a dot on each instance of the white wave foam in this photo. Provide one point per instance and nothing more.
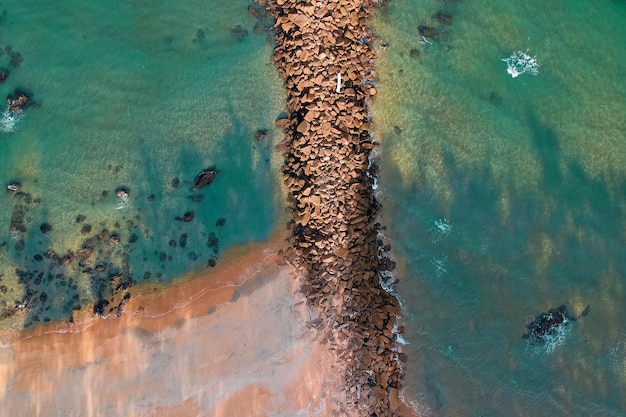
(440, 265)
(442, 228)
(123, 202)
(520, 62)
(617, 356)
(9, 119)
(550, 342)
(418, 404)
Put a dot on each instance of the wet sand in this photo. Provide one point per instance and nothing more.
(242, 346)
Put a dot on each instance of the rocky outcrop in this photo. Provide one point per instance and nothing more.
(547, 323)
(204, 177)
(324, 54)
(18, 101)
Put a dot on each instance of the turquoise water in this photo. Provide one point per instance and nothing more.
(505, 197)
(134, 95)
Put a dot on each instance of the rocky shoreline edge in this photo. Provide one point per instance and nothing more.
(324, 53)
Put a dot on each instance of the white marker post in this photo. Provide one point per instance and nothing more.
(338, 90)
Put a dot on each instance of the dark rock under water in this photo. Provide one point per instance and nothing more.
(205, 177)
(547, 323)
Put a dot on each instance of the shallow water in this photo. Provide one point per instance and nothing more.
(133, 96)
(505, 197)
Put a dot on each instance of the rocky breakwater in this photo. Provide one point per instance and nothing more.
(324, 53)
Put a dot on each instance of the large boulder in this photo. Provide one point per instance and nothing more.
(18, 100)
(547, 323)
(204, 177)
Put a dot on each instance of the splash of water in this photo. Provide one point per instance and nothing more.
(9, 119)
(520, 62)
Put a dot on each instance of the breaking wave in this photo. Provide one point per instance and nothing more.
(8, 120)
(520, 62)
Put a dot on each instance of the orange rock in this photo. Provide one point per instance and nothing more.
(304, 127)
(299, 19)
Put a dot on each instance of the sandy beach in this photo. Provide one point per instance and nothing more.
(237, 342)
(242, 346)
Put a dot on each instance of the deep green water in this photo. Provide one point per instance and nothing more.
(133, 95)
(505, 197)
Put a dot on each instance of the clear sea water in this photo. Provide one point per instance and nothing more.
(505, 197)
(133, 95)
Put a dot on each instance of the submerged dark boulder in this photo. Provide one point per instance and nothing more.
(17, 219)
(18, 101)
(443, 18)
(547, 323)
(205, 177)
(428, 32)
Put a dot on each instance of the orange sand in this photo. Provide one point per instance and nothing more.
(234, 343)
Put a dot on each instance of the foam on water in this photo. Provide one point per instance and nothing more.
(521, 63)
(549, 343)
(442, 228)
(9, 119)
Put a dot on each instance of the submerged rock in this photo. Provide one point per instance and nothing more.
(238, 32)
(18, 101)
(260, 135)
(205, 177)
(187, 217)
(547, 323)
(428, 32)
(17, 219)
(443, 18)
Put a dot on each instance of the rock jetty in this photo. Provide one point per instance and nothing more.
(325, 56)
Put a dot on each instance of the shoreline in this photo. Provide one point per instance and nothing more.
(243, 344)
(148, 298)
(324, 54)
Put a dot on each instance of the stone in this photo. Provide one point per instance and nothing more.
(547, 323)
(13, 187)
(260, 135)
(204, 178)
(238, 32)
(122, 192)
(304, 127)
(443, 18)
(428, 32)
(18, 101)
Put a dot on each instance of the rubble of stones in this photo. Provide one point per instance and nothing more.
(329, 177)
(51, 278)
(50, 289)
